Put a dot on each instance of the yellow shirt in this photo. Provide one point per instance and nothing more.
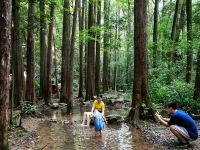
(99, 106)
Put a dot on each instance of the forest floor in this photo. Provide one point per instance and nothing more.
(25, 137)
(162, 138)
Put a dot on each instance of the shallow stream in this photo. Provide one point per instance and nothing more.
(68, 134)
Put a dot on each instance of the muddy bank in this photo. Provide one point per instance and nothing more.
(161, 136)
(25, 137)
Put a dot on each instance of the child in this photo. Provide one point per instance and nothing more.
(98, 122)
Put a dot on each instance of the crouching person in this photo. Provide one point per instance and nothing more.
(180, 124)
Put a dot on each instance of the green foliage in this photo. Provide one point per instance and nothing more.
(26, 108)
(189, 105)
(177, 90)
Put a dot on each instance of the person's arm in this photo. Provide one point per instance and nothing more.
(103, 109)
(163, 121)
(93, 105)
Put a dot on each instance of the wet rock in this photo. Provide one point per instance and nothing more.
(119, 103)
(52, 120)
(114, 119)
(63, 104)
(127, 104)
(88, 103)
(54, 106)
(65, 122)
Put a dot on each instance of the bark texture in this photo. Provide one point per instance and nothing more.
(5, 49)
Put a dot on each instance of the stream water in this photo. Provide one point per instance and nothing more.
(70, 135)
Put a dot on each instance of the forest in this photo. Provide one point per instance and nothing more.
(146, 52)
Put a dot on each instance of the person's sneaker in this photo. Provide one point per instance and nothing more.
(181, 144)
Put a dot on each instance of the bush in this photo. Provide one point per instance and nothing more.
(26, 108)
(176, 91)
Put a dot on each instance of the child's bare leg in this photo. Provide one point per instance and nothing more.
(84, 115)
(88, 119)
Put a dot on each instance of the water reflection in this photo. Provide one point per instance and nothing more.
(72, 136)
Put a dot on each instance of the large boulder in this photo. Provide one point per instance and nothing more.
(114, 119)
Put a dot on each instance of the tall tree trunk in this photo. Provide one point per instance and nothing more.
(189, 41)
(155, 37)
(181, 24)
(173, 34)
(128, 56)
(81, 26)
(116, 49)
(55, 64)
(86, 42)
(97, 72)
(65, 49)
(105, 52)
(30, 86)
(197, 80)
(5, 49)
(69, 76)
(17, 60)
(50, 53)
(175, 21)
(140, 86)
(43, 50)
(90, 89)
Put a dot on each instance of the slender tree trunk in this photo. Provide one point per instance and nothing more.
(43, 50)
(55, 64)
(173, 34)
(69, 96)
(97, 77)
(11, 103)
(106, 47)
(50, 53)
(155, 37)
(30, 86)
(197, 80)
(180, 27)
(65, 49)
(17, 60)
(175, 21)
(189, 41)
(116, 50)
(164, 1)
(128, 46)
(140, 86)
(86, 41)
(90, 89)
(5, 49)
(181, 22)
(81, 26)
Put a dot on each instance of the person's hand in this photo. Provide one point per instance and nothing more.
(91, 115)
(158, 117)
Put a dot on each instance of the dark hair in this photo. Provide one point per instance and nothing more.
(173, 105)
(100, 96)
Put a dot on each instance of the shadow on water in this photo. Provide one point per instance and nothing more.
(72, 136)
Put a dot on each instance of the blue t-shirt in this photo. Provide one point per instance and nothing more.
(182, 119)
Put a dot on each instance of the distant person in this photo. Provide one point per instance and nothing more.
(98, 105)
(180, 124)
